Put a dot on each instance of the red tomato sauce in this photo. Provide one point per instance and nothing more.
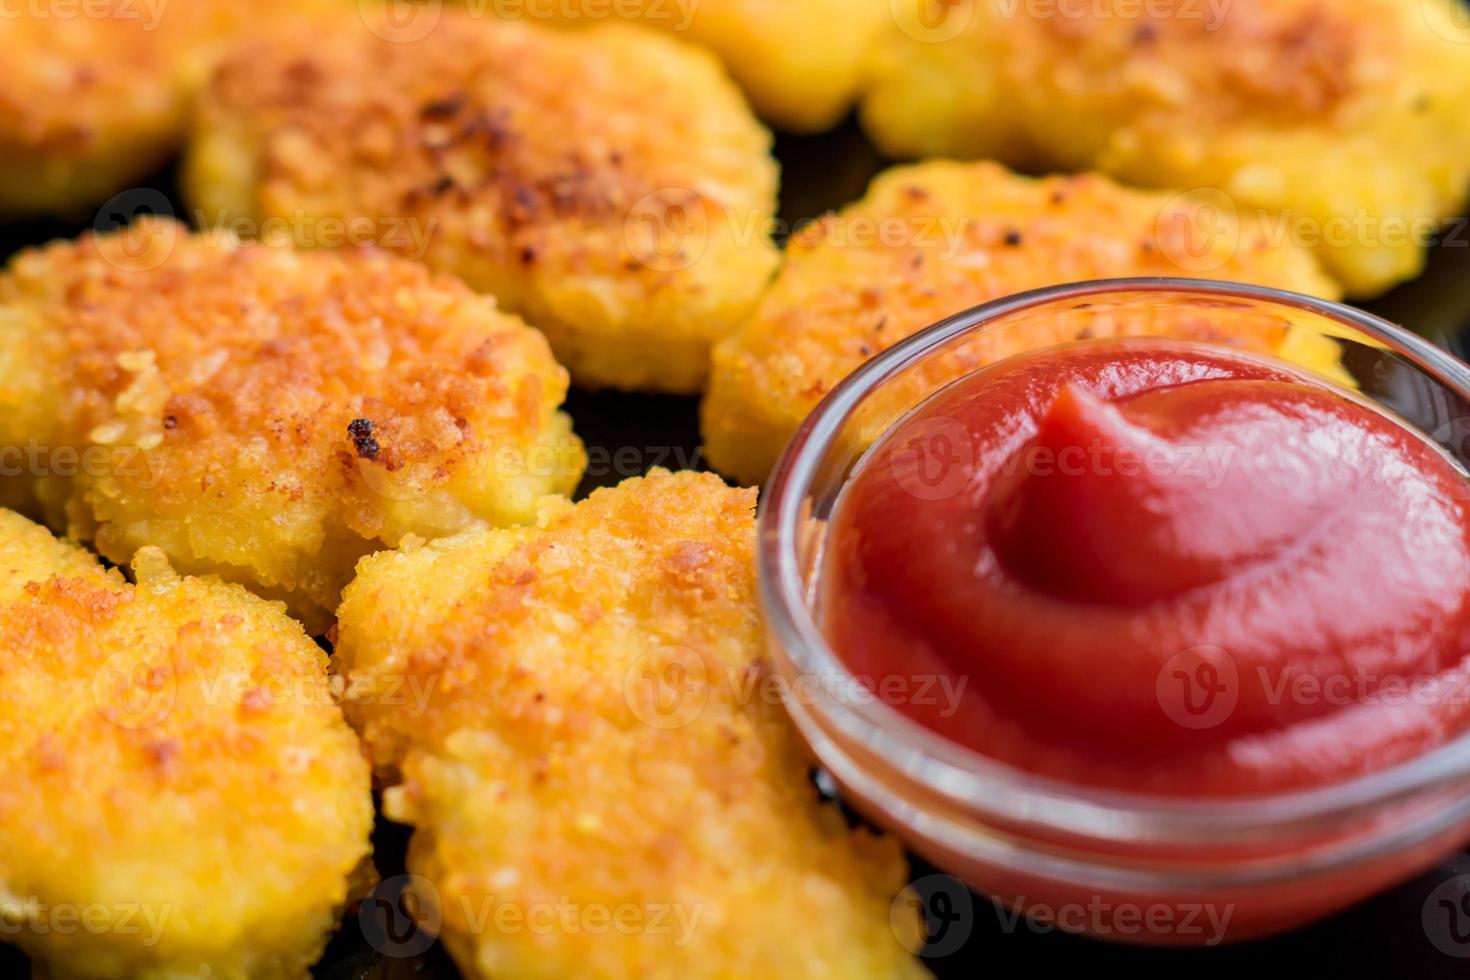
(1160, 567)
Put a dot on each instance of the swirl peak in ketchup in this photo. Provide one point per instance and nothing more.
(1159, 566)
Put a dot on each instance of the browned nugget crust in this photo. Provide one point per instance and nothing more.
(611, 184)
(179, 781)
(935, 239)
(95, 94)
(30, 553)
(267, 414)
(597, 733)
(1347, 115)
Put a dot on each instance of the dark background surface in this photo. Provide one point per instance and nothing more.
(1399, 934)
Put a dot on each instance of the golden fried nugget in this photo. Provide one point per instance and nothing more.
(598, 747)
(611, 185)
(268, 415)
(182, 796)
(1345, 119)
(94, 96)
(935, 239)
(30, 553)
(801, 62)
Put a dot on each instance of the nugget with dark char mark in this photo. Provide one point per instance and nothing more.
(602, 736)
(609, 184)
(265, 414)
(1342, 119)
(182, 796)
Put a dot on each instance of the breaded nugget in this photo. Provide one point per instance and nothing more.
(264, 414)
(30, 553)
(182, 796)
(801, 62)
(94, 95)
(1345, 116)
(611, 185)
(935, 239)
(598, 747)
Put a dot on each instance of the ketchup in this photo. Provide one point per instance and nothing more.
(1158, 566)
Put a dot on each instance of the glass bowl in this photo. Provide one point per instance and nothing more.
(1135, 868)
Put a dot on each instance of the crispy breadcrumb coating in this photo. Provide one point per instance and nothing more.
(182, 796)
(30, 553)
(935, 239)
(265, 414)
(610, 185)
(95, 95)
(597, 743)
(1346, 115)
(800, 62)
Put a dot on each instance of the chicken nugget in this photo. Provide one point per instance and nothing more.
(935, 239)
(610, 185)
(95, 94)
(800, 62)
(265, 414)
(182, 796)
(1343, 119)
(600, 743)
(30, 553)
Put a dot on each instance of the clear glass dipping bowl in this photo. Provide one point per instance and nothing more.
(1133, 868)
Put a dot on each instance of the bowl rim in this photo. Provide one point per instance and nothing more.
(964, 777)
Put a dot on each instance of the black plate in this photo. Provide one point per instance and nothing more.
(1419, 930)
